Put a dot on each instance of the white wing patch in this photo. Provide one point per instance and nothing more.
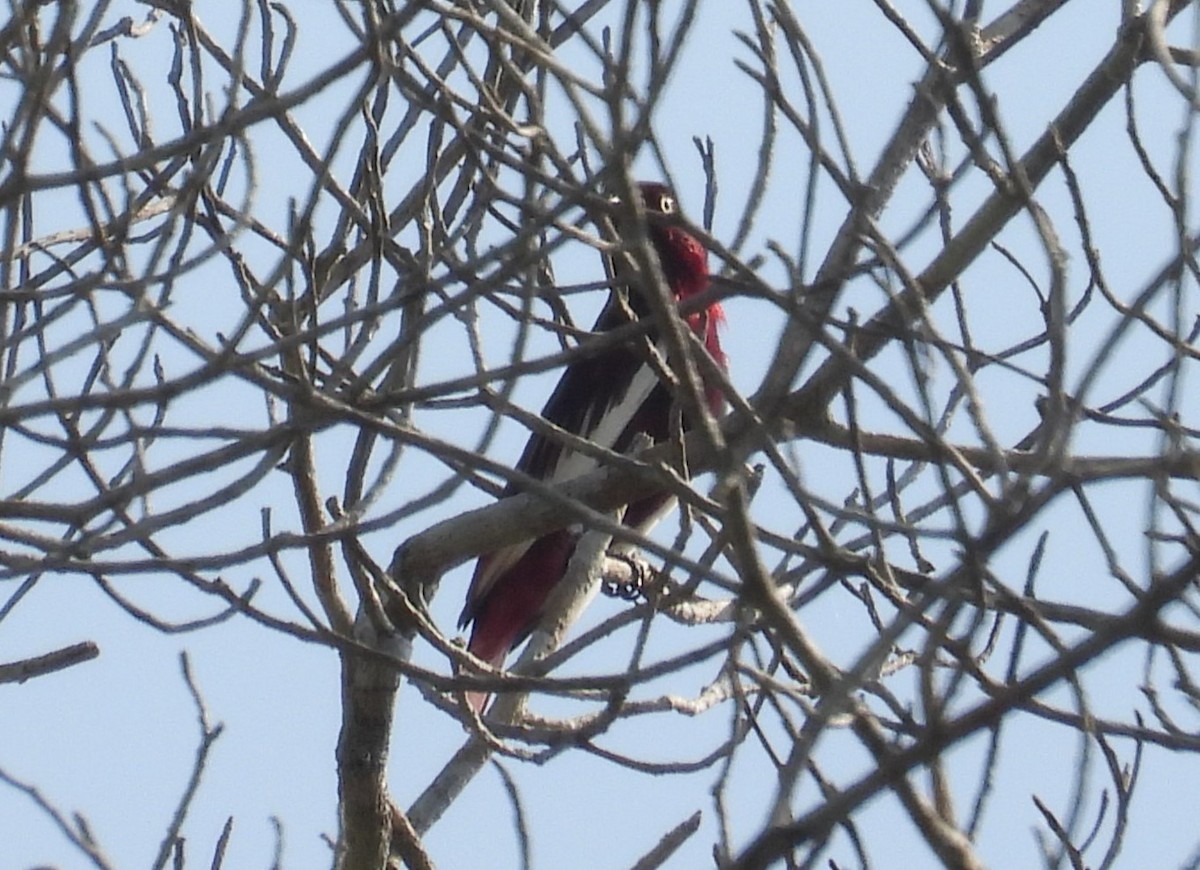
(608, 428)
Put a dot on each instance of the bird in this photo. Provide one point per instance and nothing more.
(616, 399)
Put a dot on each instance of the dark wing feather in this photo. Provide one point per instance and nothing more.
(590, 394)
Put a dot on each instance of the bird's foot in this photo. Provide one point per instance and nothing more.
(629, 581)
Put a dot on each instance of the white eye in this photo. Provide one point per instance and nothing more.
(666, 204)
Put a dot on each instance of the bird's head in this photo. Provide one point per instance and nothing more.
(683, 259)
(657, 198)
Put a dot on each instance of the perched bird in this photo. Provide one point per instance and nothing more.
(610, 399)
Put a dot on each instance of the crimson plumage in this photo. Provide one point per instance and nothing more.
(609, 398)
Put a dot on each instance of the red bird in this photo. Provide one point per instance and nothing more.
(610, 399)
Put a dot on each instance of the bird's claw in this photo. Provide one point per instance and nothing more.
(627, 589)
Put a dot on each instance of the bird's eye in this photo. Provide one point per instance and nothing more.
(666, 204)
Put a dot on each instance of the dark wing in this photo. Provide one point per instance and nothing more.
(606, 398)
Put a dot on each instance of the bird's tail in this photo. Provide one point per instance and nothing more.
(489, 646)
